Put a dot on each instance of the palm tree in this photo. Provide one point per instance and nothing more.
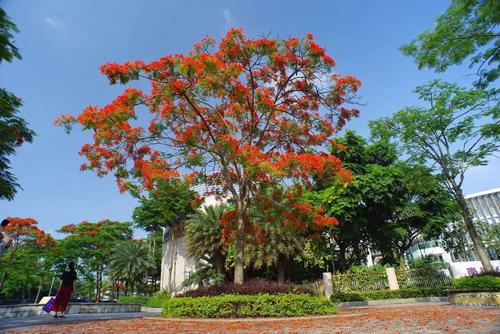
(130, 261)
(203, 236)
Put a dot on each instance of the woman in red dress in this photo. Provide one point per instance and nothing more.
(66, 287)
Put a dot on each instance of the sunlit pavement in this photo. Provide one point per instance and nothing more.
(413, 318)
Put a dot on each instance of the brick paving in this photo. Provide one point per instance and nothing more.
(421, 318)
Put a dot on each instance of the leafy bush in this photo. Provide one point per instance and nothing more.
(155, 301)
(477, 282)
(388, 294)
(203, 274)
(361, 278)
(375, 269)
(240, 306)
(252, 287)
(428, 263)
(133, 300)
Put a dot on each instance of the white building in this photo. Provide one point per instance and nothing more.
(175, 265)
(485, 206)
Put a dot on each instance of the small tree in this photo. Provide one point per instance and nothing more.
(130, 261)
(23, 231)
(459, 130)
(91, 243)
(242, 116)
(203, 236)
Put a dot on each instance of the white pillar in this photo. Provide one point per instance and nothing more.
(327, 280)
(392, 278)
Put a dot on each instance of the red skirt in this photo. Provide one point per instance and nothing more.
(62, 299)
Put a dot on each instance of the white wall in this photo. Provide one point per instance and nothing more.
(175, 266)
(459, 269)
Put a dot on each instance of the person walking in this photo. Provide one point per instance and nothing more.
(66, 287)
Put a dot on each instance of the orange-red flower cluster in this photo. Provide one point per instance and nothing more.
(247, 110)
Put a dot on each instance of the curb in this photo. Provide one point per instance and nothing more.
(390, 302)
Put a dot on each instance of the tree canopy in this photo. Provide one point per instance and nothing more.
(388, 204)
(457, 131)
(241, 115)
(13, 128)
(468, 30)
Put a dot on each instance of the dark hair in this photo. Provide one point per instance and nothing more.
(71, 266)
(5, 222)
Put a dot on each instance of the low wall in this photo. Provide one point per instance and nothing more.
(30, 310)
(480, 298)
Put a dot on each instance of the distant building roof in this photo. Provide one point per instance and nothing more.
(482, 193)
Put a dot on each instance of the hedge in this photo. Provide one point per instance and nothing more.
(241, 306)
(479, 282)
(251, 287)
(388, 294)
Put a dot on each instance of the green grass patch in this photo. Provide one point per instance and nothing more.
(243, 306)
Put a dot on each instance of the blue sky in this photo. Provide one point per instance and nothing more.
(64, 42)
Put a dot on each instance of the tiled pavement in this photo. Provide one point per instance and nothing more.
(414, 318)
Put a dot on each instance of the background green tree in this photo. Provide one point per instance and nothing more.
(459, 130)
(90, 246)
(165, 208)
(467, 31)
(13, 128)
(386, 206)
(130, 262)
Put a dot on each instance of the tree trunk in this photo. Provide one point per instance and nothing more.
(281, 266)
(2, 280)
(219, 262)
(471, 229)
(402, 264)
(240, 245)
(171, 265)
(342, 260)
(39, 290)
(99, 285)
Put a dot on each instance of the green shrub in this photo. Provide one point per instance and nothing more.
(133, 300)
(480, 282)
(241, 306)
(155, 301)
(361, 279)
(388, 294)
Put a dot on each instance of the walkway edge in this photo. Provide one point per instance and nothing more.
(385, 302)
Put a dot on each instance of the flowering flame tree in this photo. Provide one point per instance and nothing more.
(23, 231)
(241, 116)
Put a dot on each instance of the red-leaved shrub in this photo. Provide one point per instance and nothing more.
(251, 287)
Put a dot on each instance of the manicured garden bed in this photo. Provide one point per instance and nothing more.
(483, 289)
(250, 287)
(242, 306)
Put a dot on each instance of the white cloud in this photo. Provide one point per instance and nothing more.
(228, 18)
(54, 22)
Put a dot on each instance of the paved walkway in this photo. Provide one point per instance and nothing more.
(414, 318)
(16, 323)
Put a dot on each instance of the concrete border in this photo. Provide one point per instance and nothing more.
(390, 302)
(30, 310)
(475, 298)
